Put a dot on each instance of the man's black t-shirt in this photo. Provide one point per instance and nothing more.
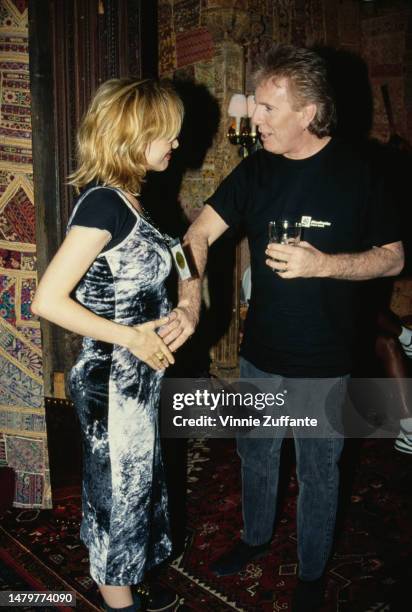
(303, 327)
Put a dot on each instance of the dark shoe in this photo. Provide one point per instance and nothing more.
(237, 558)
(161, 599)
(308, 595)
(156, 599)
(131, 608)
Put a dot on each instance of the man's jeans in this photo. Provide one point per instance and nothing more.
(317, 472)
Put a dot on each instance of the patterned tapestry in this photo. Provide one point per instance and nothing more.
(23, 444)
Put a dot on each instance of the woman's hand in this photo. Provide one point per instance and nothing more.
(149, 347)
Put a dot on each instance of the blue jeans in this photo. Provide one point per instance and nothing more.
(317, 472)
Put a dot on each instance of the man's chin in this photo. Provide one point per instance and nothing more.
(269, 147)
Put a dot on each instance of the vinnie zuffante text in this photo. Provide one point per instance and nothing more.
(220, 400)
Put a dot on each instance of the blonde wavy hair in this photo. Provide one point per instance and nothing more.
(123, 118)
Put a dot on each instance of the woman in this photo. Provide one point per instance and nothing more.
(106, 282)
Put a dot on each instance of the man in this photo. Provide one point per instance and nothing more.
(301, 315)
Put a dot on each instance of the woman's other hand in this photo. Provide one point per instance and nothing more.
(149, 347)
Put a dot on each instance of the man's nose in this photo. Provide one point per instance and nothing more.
(256, 117)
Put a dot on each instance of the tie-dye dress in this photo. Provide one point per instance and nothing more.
(125, 521)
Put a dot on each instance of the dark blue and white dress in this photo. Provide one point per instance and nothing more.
(125, 521)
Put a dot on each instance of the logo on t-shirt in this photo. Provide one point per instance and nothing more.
(309, 222)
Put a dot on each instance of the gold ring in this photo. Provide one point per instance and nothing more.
(160, 356)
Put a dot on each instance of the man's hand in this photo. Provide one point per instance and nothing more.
(291, 261)
(175, 333)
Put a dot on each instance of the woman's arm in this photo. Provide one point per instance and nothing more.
(53, 302)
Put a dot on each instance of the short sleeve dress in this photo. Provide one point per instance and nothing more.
(125, 522)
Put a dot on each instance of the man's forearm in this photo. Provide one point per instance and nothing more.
(305, 261)
(188, 308)
(374, 263)
(203, 232)
(190, 290)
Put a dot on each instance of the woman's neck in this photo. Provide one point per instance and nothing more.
(133, 201)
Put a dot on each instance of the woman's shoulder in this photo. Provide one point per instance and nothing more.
(93, 194)
(100, 206)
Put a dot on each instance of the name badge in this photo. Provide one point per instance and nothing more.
(180, 259)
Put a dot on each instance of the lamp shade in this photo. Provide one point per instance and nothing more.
(237, 106)
(251, 105)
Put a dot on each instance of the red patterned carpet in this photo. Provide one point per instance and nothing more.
(371, 569)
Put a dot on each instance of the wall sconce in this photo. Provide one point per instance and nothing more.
(242, 131)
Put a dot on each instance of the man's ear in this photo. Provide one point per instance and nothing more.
(308, 114)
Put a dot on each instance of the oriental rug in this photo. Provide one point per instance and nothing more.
(370, 570)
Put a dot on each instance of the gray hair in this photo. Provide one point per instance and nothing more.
(307, 79)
